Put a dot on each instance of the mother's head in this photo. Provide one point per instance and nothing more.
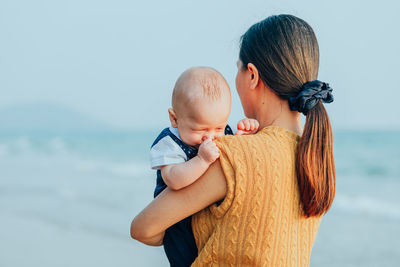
(281, 52)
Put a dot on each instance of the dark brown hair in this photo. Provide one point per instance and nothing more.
(285, 51)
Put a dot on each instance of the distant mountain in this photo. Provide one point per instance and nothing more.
(46, 117)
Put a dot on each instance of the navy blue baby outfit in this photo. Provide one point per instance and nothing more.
(179, 243)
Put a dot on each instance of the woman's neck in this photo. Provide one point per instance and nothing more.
(280, 115)
(291, 123)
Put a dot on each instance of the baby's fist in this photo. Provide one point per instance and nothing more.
(247, 126)
(208, 151)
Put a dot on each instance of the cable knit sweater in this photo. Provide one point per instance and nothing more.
(260, 221)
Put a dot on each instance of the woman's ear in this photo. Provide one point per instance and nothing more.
(172, 117)
(254, 77)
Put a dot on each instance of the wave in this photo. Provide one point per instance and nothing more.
(368, 205)
(125, 169)
(57, 152)
(24, 145)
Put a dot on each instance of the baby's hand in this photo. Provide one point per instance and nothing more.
(208, 151)
(247, 126)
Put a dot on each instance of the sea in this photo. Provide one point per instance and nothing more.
(68, 199)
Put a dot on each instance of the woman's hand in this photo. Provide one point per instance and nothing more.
(170, 206)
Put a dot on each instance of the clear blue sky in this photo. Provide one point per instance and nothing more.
(117, 61)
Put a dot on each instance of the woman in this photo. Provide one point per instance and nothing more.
(274, 185)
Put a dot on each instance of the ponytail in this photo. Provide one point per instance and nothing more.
(315, 163)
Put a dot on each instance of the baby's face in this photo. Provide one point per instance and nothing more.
(204, 119)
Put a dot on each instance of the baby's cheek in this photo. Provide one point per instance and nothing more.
(198, 139)
(192, 139)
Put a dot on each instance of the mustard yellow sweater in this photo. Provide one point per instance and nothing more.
(260, 221)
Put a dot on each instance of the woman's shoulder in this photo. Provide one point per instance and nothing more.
(268, 136)
(279, 134)
(231, 143)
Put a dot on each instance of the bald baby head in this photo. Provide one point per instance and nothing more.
(201, 103)
(198, 83)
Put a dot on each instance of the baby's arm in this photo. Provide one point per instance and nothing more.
(247, 126)
(178, 176)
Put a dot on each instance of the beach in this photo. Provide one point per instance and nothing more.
(68, 200)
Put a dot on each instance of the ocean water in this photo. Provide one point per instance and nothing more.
(68, 200)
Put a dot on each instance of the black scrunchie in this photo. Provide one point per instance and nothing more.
(309, 95)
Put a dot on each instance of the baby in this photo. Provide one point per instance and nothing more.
(201, 103)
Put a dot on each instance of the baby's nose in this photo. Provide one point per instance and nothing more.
(209, 135)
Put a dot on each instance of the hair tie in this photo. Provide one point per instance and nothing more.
(310, 94)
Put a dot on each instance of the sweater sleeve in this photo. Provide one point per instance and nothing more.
(226, 160)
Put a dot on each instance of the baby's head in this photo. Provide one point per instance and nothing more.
(201, 103)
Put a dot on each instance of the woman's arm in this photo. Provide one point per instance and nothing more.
(154, 241)
(171, 206)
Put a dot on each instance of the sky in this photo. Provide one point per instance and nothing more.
(116, 62)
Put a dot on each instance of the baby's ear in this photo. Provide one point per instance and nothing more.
(172, 118)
